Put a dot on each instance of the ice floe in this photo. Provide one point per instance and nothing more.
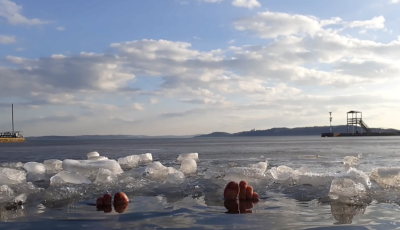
(90, 168)
(11, 176)
(92, 154)
(351, 161)
(184, 156)
(386, 177)
(188, 166)
(53, 165)
(75, 178)
(69, 177)
(129, 161)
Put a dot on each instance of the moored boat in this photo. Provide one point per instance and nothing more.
(12, 136)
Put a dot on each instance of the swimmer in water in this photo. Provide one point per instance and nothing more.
(120, 203)
(239, 198)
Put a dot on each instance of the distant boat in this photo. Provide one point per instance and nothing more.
(12, 136)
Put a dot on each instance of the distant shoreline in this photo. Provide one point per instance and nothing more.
(104, 137)
(299, 131)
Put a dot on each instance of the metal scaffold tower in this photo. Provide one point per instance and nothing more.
(354, 121)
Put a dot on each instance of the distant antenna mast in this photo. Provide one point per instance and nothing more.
(330, 121)
(12, 116)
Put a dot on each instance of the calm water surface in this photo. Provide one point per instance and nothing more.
(197, 203)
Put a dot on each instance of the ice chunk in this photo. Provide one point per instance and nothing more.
(359, 176)
(105, 176)
(93, 154)
(137, 172)
(35, 176)
(189, 166)
(282, 173)
(302, 170)
(345, 188)
(183, 156)
(64, 192)
(145, 158)
(129, 161)
(12, 176)
(232, 164)
(97, 158)
(35, 167)
(69, 177)
(12, 165)
(386, 177)
(260, 165)
(315, 179)
(351, 161)
(243, 173)
(214, 173)
(53, 165)
(20, 198)
(171, 170)
(176, 177)
(157, 171)
(6, 193)
(90, 168)
(127, 180)
(29, 189)
(36, 171)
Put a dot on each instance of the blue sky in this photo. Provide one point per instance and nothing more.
(180, 67)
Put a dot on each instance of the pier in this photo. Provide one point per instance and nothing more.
(356, 127)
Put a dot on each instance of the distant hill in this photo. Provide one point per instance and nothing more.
(300, 131)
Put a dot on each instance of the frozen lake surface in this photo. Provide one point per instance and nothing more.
(303, 182)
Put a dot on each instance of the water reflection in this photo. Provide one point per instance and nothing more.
(276, 212)
(344, 213)
(17, 211)
(239, 206)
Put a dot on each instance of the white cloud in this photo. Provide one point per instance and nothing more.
(16, 60)
(138, 106)
(6, 39)
(58, 56)
(153, 101)
(12, 13)
(394, 1)
(274, 24)
(306, 68)
(60, 74)
(123, 120)
(209, 77)
(246, 3)
(376, 23)
(60, 28)
(231, 41)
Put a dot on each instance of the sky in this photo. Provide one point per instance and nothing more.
(184, 67)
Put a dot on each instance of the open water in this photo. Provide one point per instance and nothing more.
(311, 194)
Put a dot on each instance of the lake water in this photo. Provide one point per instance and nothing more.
(297, 199)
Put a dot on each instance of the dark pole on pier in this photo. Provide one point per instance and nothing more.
(12, 115)
(330, 121)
